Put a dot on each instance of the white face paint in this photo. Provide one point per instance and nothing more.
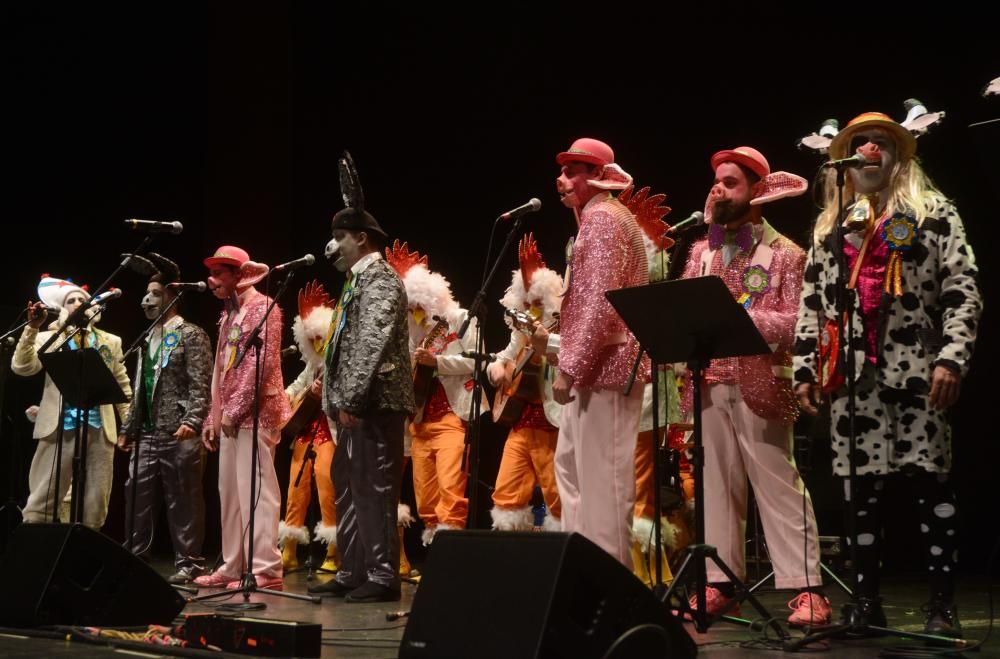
(344, 249)
(152, 302)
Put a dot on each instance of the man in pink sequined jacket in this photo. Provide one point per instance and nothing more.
(595, 452)
(747, 402)
(229, 427)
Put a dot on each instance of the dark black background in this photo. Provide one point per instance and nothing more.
(231, 120)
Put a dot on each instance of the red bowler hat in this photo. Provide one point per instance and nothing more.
(588, 150)
(228, 255)
(747, 156)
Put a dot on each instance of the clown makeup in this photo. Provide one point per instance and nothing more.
(73, 301)
(571, 184)
(730, 195)
(152, 302)
(877, 145)
(222, 280)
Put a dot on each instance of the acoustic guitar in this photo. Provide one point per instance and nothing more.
(423, 376)
(528, 382)
(304, 410)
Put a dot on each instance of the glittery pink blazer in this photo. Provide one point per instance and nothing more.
(765, 380)
(232, 390)
(596, 348)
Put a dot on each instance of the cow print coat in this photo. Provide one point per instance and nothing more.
(933, 323)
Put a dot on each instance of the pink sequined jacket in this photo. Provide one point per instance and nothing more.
(232, 390)
(596, 348)
(765, 380)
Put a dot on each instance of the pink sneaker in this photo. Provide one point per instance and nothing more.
(715, 601)
(809, 610)
(214, 580)
(271, 582)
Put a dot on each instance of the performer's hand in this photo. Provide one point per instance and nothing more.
(185, 432)
(316, 388)
(540, 340)
(561, 388)
(945, 386)
(36, 314)
(425, 357)
(209, 438)
(809, 397)
(229, 428)
(123, 443)
(346, 419)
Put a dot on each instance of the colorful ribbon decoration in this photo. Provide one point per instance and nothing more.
(900, 233)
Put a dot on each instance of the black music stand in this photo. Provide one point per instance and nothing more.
(713, 325)
(85, 382)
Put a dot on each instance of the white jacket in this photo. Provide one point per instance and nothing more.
(553, 410)
(453, 370)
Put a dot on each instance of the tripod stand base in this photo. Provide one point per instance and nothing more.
(695, 561)
(856, 623)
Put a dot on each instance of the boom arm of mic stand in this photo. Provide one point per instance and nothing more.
(146, 332)
(254, 336)
(475, 309)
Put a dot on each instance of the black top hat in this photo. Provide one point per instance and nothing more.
(353, 219)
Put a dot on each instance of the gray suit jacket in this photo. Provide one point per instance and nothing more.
(368, 367)
(180, 389)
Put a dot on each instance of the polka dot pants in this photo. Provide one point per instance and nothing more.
(938, 515)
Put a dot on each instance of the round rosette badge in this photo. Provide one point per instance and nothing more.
(756, 282)
(900, 232)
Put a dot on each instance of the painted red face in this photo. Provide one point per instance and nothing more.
(571, 184)
(222, 281)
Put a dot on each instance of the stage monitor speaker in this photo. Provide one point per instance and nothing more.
(68, 574)
(491, 594)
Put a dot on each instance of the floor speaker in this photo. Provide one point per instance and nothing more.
(493, 594)
(68, 574)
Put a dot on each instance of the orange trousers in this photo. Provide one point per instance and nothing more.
(644, 477)
(298, 497)
(528, 459)
(438, 477)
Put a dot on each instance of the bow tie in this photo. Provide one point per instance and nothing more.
(718, 236)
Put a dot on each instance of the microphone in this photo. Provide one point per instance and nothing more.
(197, 286)
(155, 227)
(695, 219)
(478, 356)
(110, 294)
(857, 160)
(530, 207)
(308, 259)
(289, 351)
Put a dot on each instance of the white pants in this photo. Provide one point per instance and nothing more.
(595, 467)
(235, 459)
(43, 499)
(741, 445)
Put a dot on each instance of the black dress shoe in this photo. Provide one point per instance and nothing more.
(942, 619)
(372, 592)
(862, 613)
(331, 588)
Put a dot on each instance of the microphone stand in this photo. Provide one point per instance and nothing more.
(309, 565)
(248, 583)
(854, 622)
(140, 341)
(477, 310)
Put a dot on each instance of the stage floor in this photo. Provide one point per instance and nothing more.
(361, 630)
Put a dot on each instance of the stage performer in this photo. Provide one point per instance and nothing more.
(315, 431)
(43, 498)
(747, 404)
(172, 393)
(595, 452)
(913, 278)
(533, 414)
(368, 389)
(229, 428)
(443, 390)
